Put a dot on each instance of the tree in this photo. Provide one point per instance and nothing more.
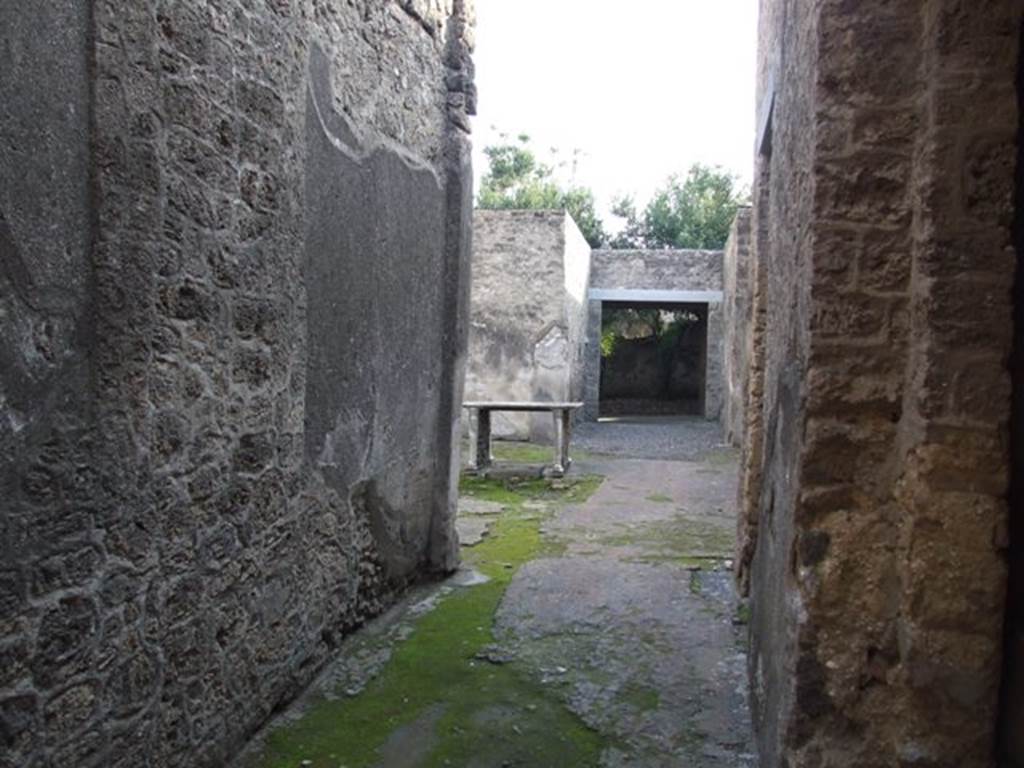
(516, 179)
(632, 234)
(695, 211)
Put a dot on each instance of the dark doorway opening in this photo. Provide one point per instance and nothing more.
(653, 359)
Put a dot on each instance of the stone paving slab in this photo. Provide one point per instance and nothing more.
(638, 624)
(640, 652)
(472, 530)
(471, 506)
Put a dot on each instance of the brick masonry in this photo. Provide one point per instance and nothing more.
(233, 237)
(876, 466)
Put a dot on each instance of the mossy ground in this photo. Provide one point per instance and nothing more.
(518, 452)
(659, 498)
(641, 698)
(681, 540)
(522, 453)
(490, 710)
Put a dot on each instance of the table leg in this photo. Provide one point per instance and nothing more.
(564, 437)
(480, 440)
(560, 465)
(557, 470)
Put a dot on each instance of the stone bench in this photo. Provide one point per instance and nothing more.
(480, 432)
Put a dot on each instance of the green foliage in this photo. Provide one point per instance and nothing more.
(609, 338)
(695, 211)
(632, 234)
(517, 180)
(664, 327)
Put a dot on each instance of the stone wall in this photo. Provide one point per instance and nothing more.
(753, 413)
(649, 271)
(577, 285)
(737, 313)
(667, 269)
(878, 576)
(528, 318)
(1012, 705)
(233, 245)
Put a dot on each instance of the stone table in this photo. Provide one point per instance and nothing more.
(480, 431)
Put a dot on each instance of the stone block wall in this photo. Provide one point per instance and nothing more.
(643, 272)
(528, 318)
(233, 246)
(737, 313)
(665, 269)
(1012, 705)
(878, 548)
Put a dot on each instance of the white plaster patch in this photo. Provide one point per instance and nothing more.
(552, 351)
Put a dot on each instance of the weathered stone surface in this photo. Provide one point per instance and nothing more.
(233, 250)
(471, 506)
(527, 331)
(472, 530)
(737, 316)
(656, 270)
(873, 495)
(986, 402)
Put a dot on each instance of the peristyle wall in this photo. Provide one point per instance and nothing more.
(528, 318)
(233, 250)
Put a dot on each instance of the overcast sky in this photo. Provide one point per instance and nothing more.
(641, 88)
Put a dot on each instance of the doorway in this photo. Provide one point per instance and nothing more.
(653, 359)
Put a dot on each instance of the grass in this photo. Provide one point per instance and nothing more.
(659, 498)
(492, 710)
(521, 452)
(514, 492)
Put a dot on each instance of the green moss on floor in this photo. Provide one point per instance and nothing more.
(641, 698)
(723, 457)
(517, 491)
(488, 710)
(521, 452)
(659, 498)
(680, 538)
